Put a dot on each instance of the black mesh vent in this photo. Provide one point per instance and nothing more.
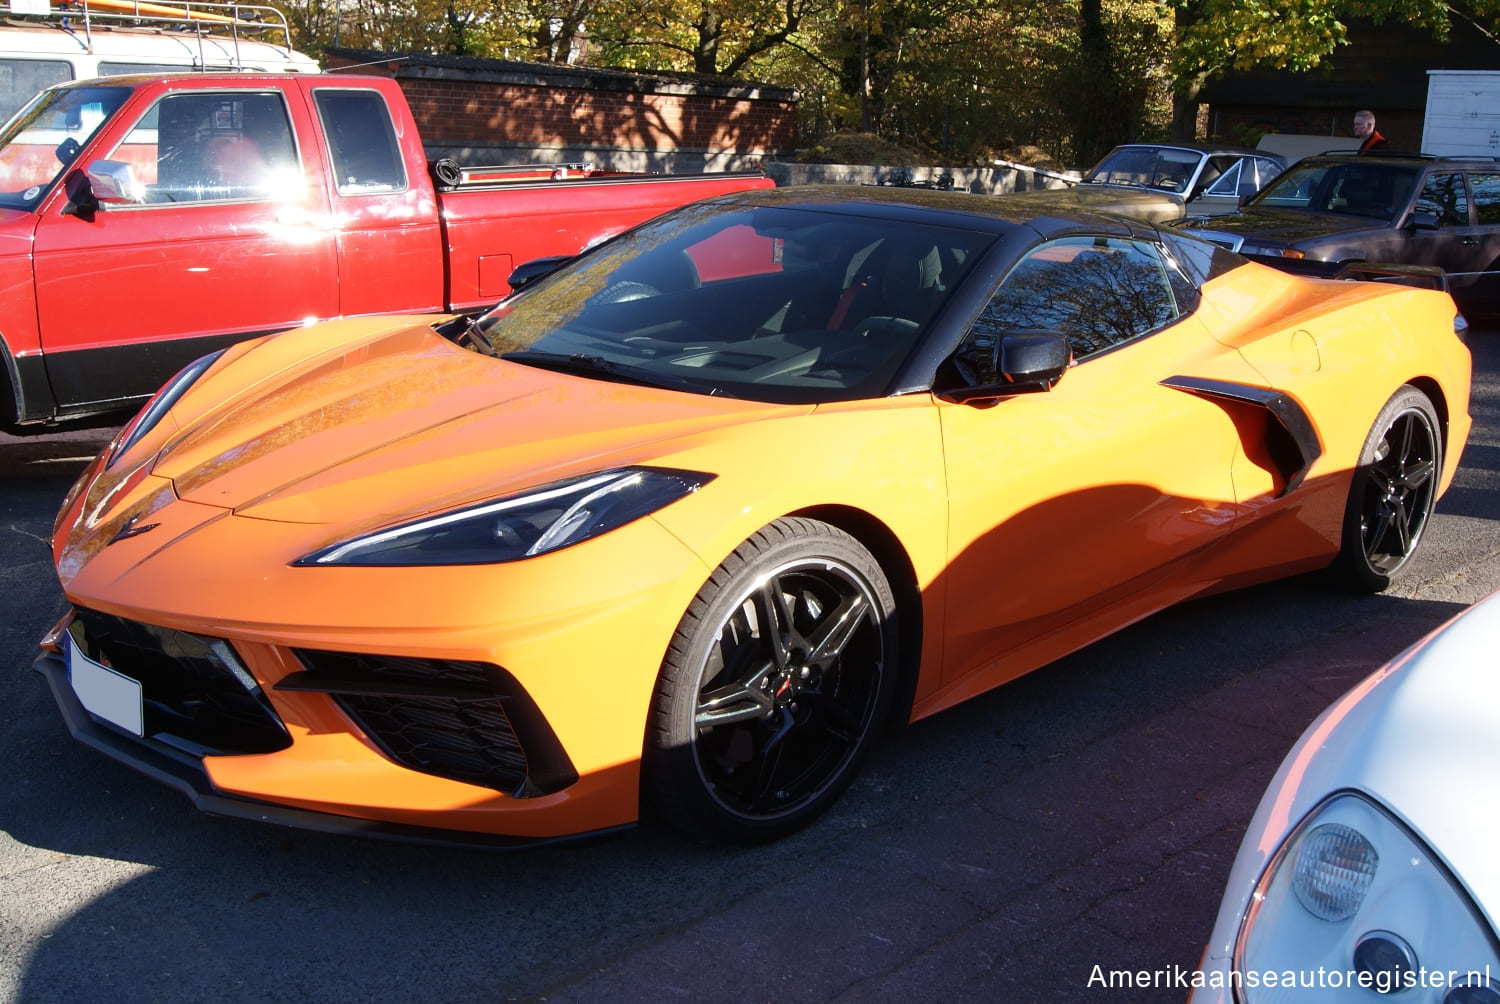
(439, 716)
(465, 740)
(188, 687)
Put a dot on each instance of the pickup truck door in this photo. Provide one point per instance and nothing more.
(231, 240)
(389, 243)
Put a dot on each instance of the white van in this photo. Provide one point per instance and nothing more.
(40, 46)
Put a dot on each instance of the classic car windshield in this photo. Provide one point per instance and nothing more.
(771, 303)
(1364, 187)
(1152, 167)
(44, 137)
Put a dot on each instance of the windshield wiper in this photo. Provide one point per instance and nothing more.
(478, 337)
(581, 364)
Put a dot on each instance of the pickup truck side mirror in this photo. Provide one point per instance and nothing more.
(1423, 221)
(115, 181)
(1018, 362)
(81, 202)
(530, 271)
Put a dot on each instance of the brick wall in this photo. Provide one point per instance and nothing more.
(498, 112)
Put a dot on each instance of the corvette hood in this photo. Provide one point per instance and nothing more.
(407, 422)
(1287, 226)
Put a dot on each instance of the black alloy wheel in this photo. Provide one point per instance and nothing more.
(774, 687)
(1393, 492)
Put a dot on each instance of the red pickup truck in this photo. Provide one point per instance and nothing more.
(146, 220)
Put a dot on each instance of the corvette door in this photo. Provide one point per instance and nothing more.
(1070, 509)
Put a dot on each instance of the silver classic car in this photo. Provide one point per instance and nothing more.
(1158, 182)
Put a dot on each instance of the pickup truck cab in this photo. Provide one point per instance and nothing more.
(146, 220)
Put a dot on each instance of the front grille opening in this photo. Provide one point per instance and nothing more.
(467, 721)
(465, 740)
(193, 688)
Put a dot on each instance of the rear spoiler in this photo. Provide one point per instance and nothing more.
(1421, 276)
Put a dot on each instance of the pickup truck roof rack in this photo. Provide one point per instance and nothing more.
(201, 17)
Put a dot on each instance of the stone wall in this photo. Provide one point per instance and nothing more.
(487, 111)
(983, 181)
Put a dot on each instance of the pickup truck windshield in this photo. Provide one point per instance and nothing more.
(39, 144)
(768, 304)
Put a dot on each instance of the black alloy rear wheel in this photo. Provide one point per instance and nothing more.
(1393, 492)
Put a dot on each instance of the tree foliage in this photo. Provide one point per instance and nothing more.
(964, 77)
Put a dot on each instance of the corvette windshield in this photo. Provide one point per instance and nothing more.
(767, 303)
(40, 143)
(1364, 187)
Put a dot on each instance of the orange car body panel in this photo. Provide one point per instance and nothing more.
(320, 434)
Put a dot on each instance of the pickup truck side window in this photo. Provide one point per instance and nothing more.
(202, 146)
(1443, 195)
(1486, 189)
(361, 141)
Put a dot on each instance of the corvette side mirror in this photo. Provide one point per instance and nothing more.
(1018, 362)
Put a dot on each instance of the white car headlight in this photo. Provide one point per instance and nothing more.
(520, 526)
(1354, 906)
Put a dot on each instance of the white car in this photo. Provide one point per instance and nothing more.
(1371, 870)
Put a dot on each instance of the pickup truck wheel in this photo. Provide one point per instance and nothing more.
(774, 687)
(1393, 492)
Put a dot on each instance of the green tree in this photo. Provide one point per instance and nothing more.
(1215, 36)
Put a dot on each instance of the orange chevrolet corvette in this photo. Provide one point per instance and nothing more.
(683, 522)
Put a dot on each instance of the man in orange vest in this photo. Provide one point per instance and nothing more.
(1364, 128)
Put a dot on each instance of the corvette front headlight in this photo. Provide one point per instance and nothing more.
(1353, 906)
(520, 526)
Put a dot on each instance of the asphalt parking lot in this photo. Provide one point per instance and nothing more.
(1083, 816)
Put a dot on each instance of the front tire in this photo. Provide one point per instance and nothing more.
(774, 687)
(1393, 493)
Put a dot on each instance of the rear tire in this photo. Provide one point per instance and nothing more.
(1393, 492)
(775, 685)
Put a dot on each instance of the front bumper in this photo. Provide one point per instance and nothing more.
(186, 774)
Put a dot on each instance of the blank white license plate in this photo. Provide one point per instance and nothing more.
(110, 695)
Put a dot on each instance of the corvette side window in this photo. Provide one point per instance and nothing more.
(1098, 291)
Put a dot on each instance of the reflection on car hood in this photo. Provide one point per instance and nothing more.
(407, 422)
(1146, 203)
(1287, 226)
(1419, 737)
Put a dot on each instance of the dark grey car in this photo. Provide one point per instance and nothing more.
(1394, 209)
